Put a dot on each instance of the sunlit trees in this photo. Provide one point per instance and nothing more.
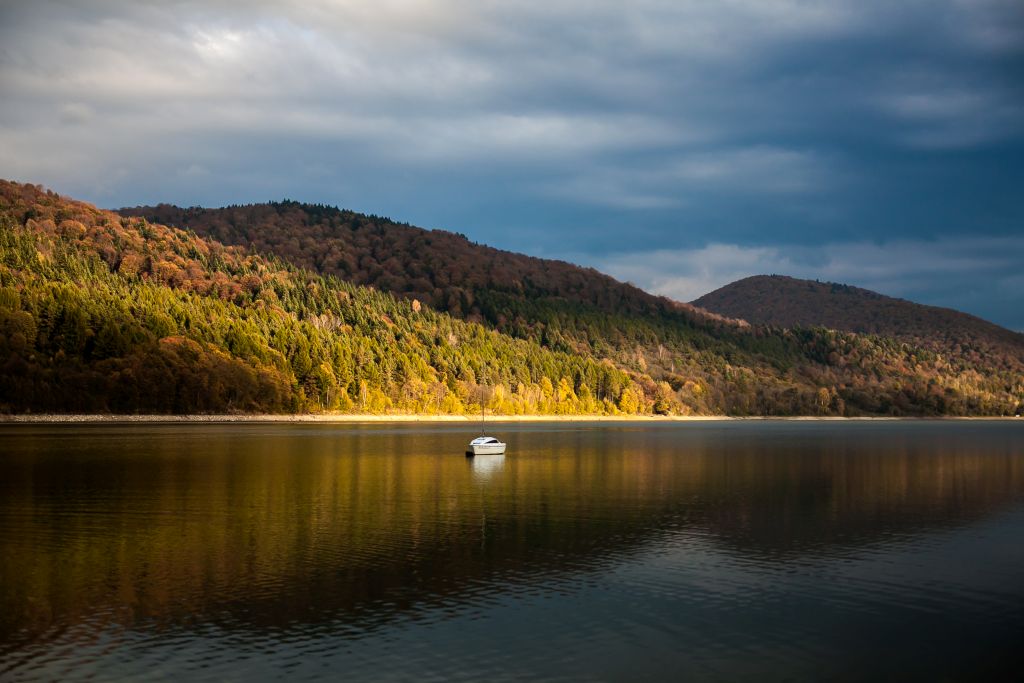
(103, 313)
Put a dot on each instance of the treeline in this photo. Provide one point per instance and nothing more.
(100, 312)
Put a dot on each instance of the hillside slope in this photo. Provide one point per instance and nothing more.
(101, 312)
(437, 267)
(564, 307)
(790, 302)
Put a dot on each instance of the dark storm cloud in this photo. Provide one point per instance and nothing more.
(614, 133)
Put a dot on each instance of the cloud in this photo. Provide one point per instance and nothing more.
(936, 113)
(995, 26)
(681, 179)
(752, 169)
(525, 124)
(516, 75)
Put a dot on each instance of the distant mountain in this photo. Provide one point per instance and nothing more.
(789, 302)
(318, 309)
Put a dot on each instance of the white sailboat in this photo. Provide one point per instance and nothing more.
(483, 444)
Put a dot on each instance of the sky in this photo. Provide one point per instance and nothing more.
(676, 144)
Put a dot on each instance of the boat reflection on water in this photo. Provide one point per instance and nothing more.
(487, 465)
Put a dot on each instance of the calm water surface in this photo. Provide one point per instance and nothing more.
(721, 550)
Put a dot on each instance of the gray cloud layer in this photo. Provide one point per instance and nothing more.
(559, 127)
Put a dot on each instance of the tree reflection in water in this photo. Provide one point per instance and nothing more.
(258, 528)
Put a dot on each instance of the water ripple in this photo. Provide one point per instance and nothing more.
(242, 553)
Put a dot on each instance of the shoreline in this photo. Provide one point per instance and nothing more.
(412, 418)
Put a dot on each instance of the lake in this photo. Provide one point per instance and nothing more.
(723, 550)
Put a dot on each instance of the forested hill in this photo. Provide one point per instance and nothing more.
(442, 269)
(555, 304)
(102, 312)
(790, 302)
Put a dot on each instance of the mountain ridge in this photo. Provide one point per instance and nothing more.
(111, 313)
(792, 302)
(265, 226)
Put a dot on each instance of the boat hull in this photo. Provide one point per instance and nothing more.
(486, 449)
